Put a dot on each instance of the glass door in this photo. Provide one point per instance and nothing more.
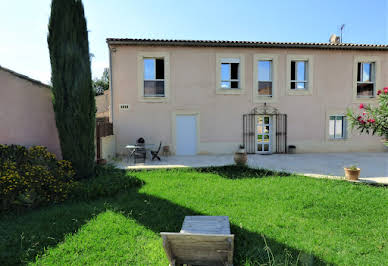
(263, 134)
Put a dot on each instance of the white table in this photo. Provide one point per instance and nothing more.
(132, 147)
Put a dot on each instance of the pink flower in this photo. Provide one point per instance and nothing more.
(372, 121)
(362, 122)
(361, 106)
(386, 90)
(359, 118)
(378, 92)
(363, 113)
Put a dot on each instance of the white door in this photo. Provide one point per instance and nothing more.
(263, 134)
(186, 135)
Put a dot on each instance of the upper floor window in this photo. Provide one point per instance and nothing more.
(153, 77)
(299, 75)
(230, 73)
(337, 127)
(264, 68)
(365, 79)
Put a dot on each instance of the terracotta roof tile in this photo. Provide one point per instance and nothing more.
(247, 44)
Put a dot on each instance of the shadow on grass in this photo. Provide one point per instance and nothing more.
(238, 172)
(24, 237)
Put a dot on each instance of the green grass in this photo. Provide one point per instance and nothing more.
(302, 221)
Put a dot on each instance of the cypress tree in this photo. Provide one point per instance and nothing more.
(73, 95)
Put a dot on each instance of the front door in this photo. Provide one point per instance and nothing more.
(263, 134)
(186, 135)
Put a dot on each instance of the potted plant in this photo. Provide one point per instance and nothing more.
(352, 172)
(240, 156)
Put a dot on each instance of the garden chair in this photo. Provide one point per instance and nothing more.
(155, 153)
(140, 153)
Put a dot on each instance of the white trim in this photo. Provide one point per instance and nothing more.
(274, 75)
(377, 76)
(227, 58)
(140, 76)
(310, 74)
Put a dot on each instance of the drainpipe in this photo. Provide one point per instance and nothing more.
(110, 84)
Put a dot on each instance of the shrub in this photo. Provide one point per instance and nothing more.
(372, 119)
(108, 182)
(32, 177)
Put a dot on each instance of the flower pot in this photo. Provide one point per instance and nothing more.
(291, 149)
(351, 174)
(240, 158)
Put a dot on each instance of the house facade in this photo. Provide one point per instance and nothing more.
(26, 112)
(209, 97)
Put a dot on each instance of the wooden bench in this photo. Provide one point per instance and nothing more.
(203, 240)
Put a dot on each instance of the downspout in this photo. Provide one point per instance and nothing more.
(110, 84)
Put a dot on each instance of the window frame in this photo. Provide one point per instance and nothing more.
(305, 81)
(373, 64)
(144, 79)
(274, 58)
(140, 76)
(227, 61)
(309, 73)
(377, 77)
(344, 127)
(230, 58)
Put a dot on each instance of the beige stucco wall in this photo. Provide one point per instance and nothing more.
(102, 104)
(192, 88)
(26, 114)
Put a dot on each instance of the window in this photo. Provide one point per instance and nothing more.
(365, 79)
(230, 76)
(299, 75)
(337, 127)
(264, 78)
(153, 77)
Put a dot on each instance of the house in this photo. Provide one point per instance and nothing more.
(208, 97)
(26, 112)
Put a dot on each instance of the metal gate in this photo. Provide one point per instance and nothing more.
(249, 129)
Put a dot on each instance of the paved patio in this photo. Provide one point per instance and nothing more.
(374, 166)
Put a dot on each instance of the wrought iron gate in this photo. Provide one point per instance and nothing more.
(249, 129)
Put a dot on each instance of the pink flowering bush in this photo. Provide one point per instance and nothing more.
(372, 120)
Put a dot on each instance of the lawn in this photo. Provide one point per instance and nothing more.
(277, 219)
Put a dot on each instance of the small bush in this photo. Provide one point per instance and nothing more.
(32, 177)
(108, 182)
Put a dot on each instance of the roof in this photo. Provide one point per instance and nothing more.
(244, 44)
(34, 81)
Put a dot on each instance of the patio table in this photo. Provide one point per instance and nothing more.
(132, 148)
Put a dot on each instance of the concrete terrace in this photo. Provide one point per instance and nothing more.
(374, 166)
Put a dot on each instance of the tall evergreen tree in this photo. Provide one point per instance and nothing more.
(73, 95)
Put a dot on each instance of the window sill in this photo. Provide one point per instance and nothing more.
(338, 140)
(364, 100)
(160, 99)
(229, 91)
(300, 92)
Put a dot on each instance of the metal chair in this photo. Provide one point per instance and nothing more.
(139, 154)
(155, 153)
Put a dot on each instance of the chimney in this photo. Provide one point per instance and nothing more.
(334, 39)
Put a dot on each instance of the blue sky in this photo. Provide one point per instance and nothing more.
(23, 24)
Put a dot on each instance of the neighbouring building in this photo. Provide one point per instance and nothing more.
(208, 97)
(26, 112)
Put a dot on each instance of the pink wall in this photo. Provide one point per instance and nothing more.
(26, 114)
(193, 87)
